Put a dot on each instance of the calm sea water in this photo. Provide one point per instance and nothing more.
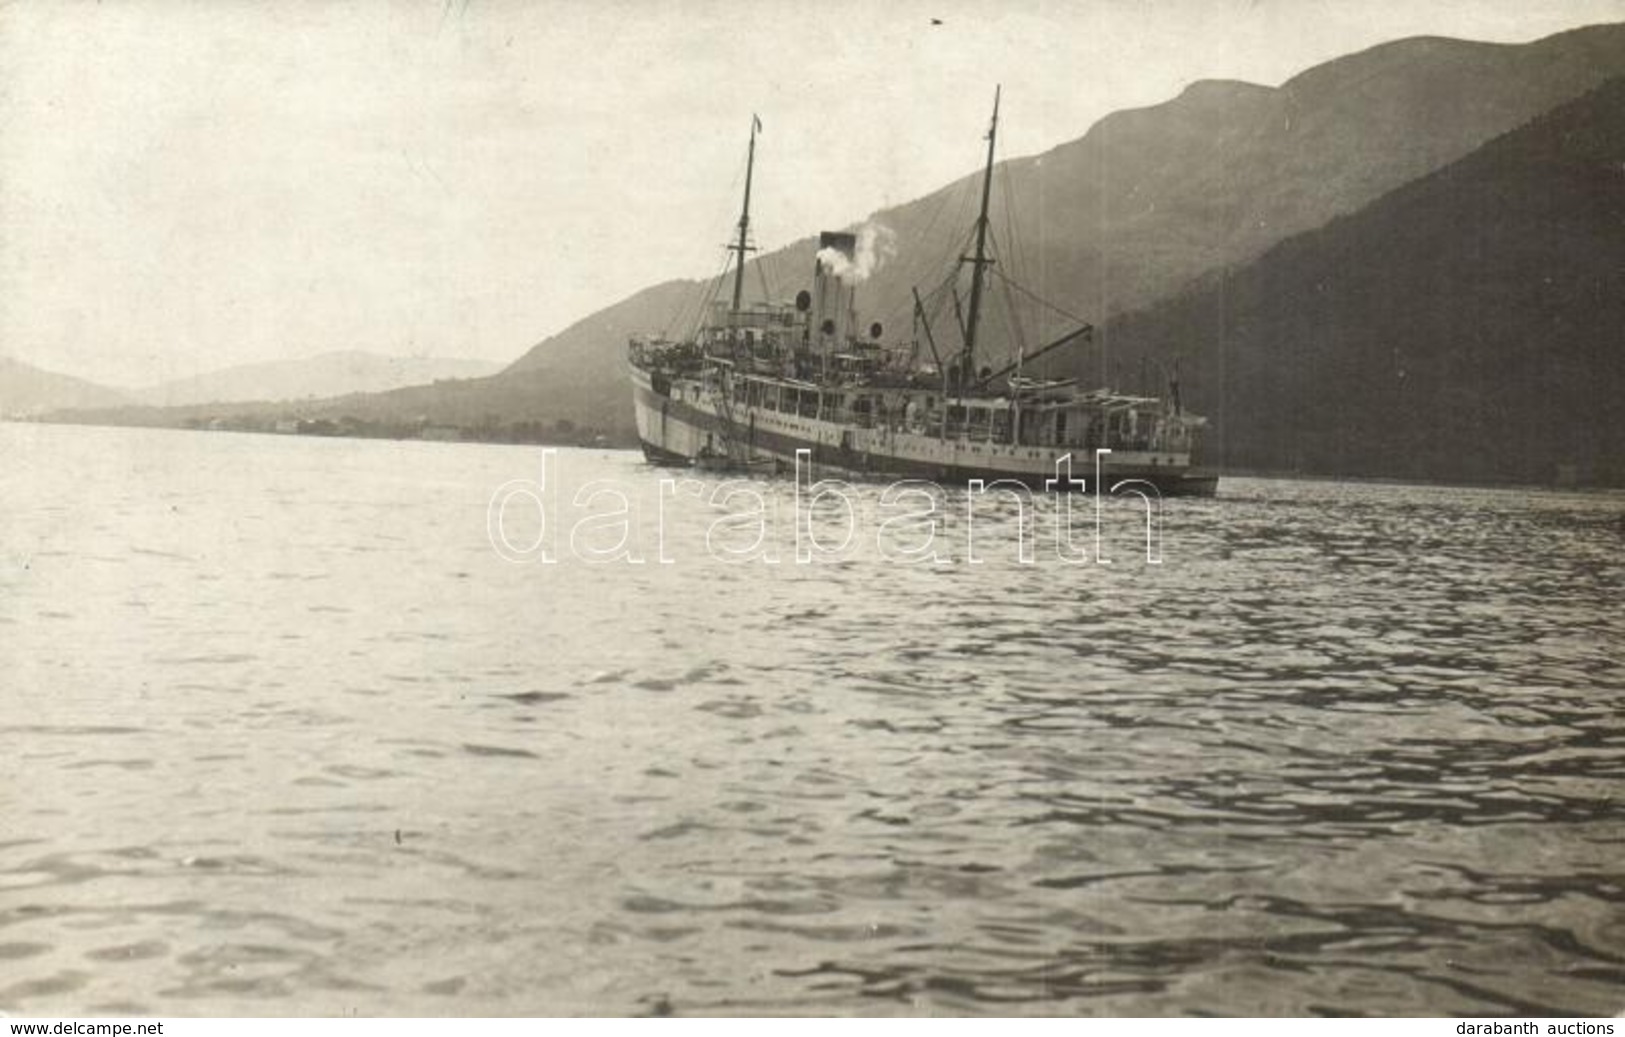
(283, 733)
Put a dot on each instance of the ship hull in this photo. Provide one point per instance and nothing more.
(683, 430)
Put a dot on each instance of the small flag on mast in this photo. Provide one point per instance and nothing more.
(756, 123)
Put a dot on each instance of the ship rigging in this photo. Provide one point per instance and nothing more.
(761, 386)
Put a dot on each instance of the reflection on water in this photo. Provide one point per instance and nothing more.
(284, 735)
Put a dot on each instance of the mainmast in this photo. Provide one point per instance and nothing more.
(744, 218)
(980, 260)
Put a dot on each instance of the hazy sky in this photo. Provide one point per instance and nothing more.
(190, 184)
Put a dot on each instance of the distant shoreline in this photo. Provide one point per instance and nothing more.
(517, 433)
(606, 441)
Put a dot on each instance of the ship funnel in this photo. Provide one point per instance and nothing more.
(832, 295)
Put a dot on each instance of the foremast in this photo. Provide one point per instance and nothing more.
(980, 261)
(744, 245)
(734, 451)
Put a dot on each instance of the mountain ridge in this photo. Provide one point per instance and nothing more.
(332, 373)
(1150, 208)
(1469, 324)
(1150, 199)
(28, 389)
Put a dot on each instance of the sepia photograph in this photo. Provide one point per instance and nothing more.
(812, 508)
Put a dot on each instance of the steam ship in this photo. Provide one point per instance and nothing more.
(761, 385)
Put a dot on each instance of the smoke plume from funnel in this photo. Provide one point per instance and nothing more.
(876, 243)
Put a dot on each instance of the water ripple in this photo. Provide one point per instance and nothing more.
(291, 739)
